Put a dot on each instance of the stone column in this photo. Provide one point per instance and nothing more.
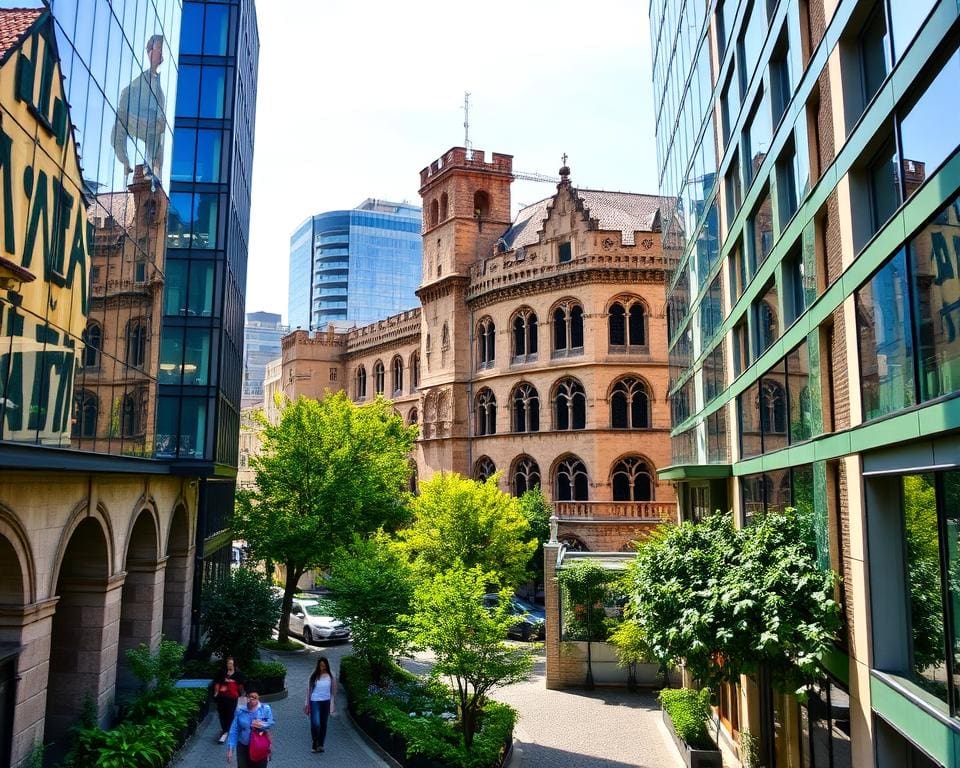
(177, 595)
(141, 615)
(552, 607)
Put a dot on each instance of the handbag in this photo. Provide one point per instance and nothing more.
(259, 746)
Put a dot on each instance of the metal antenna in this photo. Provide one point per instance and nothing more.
(466, 125)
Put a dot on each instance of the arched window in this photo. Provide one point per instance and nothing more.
(137, 343)
(570, 480)
(361, 385)
(486, 342)
(397, 375)
(568, 329)
(93, 343)
(443, 207)
(570, 405)
(486, 412)
(484, 469)
(85, 411)
(632, 480)
(412, 416)
(525, 336)
(767, 326)
(526, 408)
(629, 405)
(627, 321)
(481, 205)
(434, 213)
(526, 475)
(414, 371)
(131, 415)
(773, 408)
(573, 543)
(378, 377)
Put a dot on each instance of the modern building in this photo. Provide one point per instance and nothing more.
(261, 344)
(354, 266)
(812, 151)
(537, 351)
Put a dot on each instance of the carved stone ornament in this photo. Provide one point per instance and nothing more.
(608, 243)
(646, 243)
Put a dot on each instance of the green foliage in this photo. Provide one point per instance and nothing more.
(689, 710)
(256, 670)
(725, 601)
(373, 585)
(286, 645)
(158, 670)
(239, 612)
(419, 714)
(328, 470)
(34, 758)
(537, 510)
(458, 521)
(923, 567)
(630, 644)
(466, 639)
(750, 750)
(130, 745)
(584, 585)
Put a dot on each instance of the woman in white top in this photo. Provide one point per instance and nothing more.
(320, 704)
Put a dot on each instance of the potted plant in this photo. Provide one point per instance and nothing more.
(685, 711)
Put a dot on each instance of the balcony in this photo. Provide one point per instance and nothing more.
(616, 511)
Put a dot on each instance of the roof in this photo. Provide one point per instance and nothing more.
(627, 212)
(14, 24)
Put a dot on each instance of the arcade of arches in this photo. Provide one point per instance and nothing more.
(90, 566)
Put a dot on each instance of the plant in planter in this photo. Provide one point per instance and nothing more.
(632, 649)
(686, 712)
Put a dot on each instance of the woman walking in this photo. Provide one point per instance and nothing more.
(321, 701)
(227, 688)
(252, 717)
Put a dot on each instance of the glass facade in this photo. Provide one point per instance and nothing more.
(355, 266)
(261, 344)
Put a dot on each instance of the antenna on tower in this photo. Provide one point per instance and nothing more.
(466, 125)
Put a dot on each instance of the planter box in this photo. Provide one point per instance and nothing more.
(694, 758)
(606, 671)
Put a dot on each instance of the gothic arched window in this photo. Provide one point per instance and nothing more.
(629, 405)
(361, 384)
(773, 408)
(484, 469)
(93, 343)
(525, 336)
(414, 371)
(486, 413)
(570, 405)
(568, 329)
(137, 342)
(526, 408)
(397, 375)
(632, 480)
(486, 342)
(570, 480)
(526, 475)
(85, 411)
(378, 377)
(627, 324)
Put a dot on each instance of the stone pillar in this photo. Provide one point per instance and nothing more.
(552, 607)
(29, 627)
(177, 595)
(141, 615)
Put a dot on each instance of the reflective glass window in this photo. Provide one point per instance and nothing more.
(184, 154)
(200, 303)
(905, 21)
(193, 426)
(196, 358)
(171, 356)
(216, 29)
(209, 149)
(759, 134)
(213, 86)
(191, 29)
(188, 90)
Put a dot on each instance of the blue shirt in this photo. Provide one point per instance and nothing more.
(240, 727)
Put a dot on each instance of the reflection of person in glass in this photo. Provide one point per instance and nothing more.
(141, 114)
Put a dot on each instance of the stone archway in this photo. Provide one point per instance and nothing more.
(141, 601)
(12, 599)
(178, 578)
(83, 635)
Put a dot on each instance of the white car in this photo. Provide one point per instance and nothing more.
(307, 619)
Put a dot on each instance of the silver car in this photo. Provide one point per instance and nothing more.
(309, 620)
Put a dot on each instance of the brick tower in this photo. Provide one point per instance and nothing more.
(466, 208)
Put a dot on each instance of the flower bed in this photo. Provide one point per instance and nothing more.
(415, 720)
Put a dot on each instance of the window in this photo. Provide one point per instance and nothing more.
(92, 344)
(570, 480)
(526, 408)
(524, 336)
(526, 475)
(568, 329)
(781, 76)
(481, 205)
(787, 192)
(361, 383)
(397, 376)
(486, 343)
(85, 410)
(443, 207)
(627, 324)
(884, 189)
(874, 53)
(632, 480)
(132, 414)
(486, 413)
(733, 189)
(629, 405)
(484, 469)
(137, 342)
(765, 318)
(775, 490)
(773, 410)
(565, 252)
(412, 417)
(759, 133)
(760, 227)
(434, 213)
(414, 372)
(714, 373)
(794, 292)
(570, 406)
(711, 312)
(378, 377)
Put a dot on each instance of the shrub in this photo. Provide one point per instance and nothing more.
(689, 710)
(238, 614)
(159, 669)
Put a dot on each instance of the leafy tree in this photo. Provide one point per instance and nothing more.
(585, 584)
(466, 638)
(631, 648)
(328, 470)
(373, 586)
(157, 670)
(537, 510)
(238, 612)
(923, 567)
(461, 521)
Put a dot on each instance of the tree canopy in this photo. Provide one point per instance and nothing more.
(462, 522)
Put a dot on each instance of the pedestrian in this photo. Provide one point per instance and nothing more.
(227, 689)
(252, 717)
(321, 701)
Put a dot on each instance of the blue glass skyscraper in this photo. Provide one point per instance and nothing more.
(355, 266)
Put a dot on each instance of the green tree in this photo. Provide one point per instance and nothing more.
(327, 471)
(584, 585)
(373, 586)
(461, 521)
(159, 670)
(537, 510)
(238, 613)
(466, 639)
(631, 648)
(923, 568)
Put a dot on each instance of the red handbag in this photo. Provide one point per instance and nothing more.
(259, 746)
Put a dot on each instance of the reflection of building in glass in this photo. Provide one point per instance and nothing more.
(261, 344)
(355, 265)
(815, 360)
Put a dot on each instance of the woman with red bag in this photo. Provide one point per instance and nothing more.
(227, 688)
(250, 732)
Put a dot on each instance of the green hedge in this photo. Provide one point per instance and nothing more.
(689, 711)
(415, 720)
(268, 674)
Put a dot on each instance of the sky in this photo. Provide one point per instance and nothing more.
(354, 98)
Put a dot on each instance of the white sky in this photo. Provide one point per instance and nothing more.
(356, 97)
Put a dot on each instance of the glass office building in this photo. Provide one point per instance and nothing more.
(812, 315)
(355, 266)
(261, 344)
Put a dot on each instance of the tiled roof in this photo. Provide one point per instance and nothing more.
(120, 206)
(14, 22)
(624, 211)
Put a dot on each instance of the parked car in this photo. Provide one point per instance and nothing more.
(531, 619)
(310, 619)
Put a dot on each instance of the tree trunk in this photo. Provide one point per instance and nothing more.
(289, 589)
